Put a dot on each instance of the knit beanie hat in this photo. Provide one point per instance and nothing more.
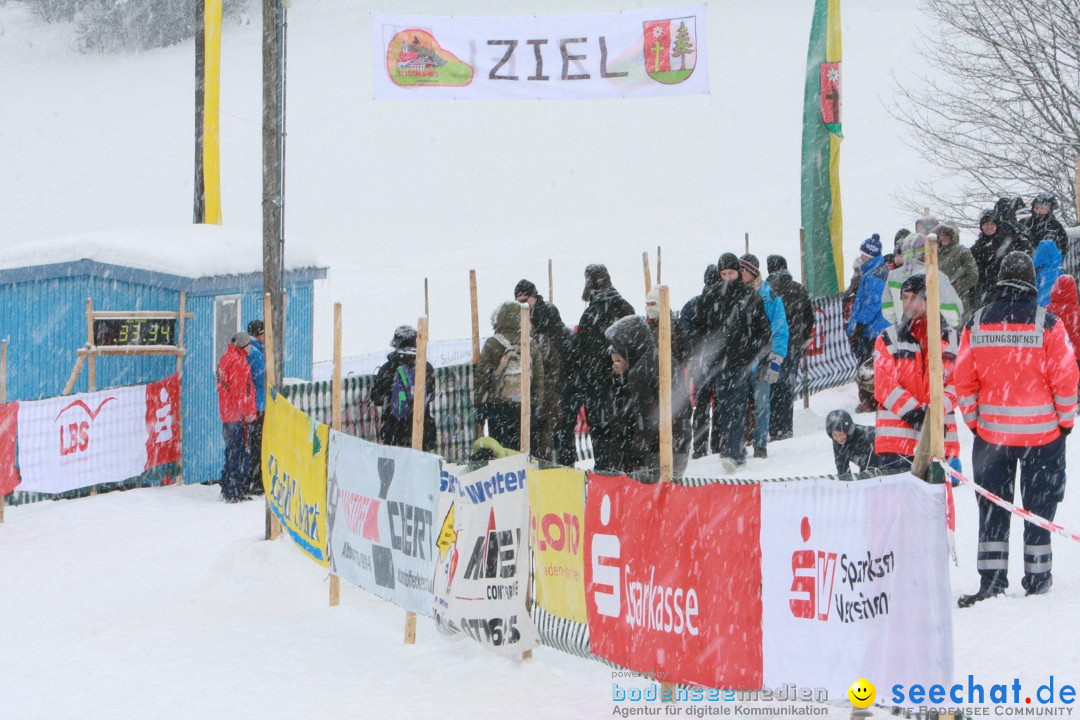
(775, 263)
(750, 264)
(526, 288)
(871, 246)
(241, 339)
(256, 328)
(1017, 269)
(404, 337)
(596, 278)
(728, 261)
(915, 284)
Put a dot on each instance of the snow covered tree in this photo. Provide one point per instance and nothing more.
(1003, 114)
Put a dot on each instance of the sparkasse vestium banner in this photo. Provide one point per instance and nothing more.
(482, 570)
(642, 53)
(381, 507)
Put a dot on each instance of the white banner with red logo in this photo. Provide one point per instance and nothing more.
(637, 53)
(673, 580)
(855, 583)
(75, 441)
(381, 507)
(482, 562)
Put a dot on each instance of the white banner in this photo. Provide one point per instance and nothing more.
(75, 441)
(640, 53)
(483, 555)
(381, 509)
(845, 597)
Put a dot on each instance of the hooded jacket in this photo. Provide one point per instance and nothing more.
(732, 325)
(636, 412)
(1043, 227)
(507, 324)
(1063, 303)
(590, 346)
(1047, 261)
(391, 430)
(892, 307)
(866, 318)
(858, 449)
(989, 251)
(236, 392)
(957, 262)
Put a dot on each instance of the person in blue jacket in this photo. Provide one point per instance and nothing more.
(763, 376)
(257, 360)
(866, 321)
(1047, 260)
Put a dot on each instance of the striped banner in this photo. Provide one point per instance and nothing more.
(829, 356)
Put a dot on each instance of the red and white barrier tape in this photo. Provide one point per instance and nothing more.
(1026, 514)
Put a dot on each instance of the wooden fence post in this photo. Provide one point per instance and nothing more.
(419, 391)
(335, 423)
(475, 337)
(524, 436)
(648, 271)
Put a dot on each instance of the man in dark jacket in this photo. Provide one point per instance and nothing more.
(257, 362)
(552, 433)
(635, 412)
(800, 319)
(393, 390)
(996, 240)
(735, 334)
(700, 390)
(851, 443)
(1042, 224)
(593, 384)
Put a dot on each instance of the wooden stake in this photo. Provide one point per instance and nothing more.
(419, 390)
(427, 307)
(79, 361)
(335, 423)
(667, 690)
(658, 267)
(526, 411)
(936, 416)
(551, 282)
(475, 334)
(273, 527)
(648, 272)
(746, 243)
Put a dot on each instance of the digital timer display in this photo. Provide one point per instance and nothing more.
(125, 332)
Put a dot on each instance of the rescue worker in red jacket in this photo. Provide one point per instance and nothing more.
(902, 382)
(1016, 379)
(236, 405)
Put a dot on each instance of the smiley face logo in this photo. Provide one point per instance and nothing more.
(861, 693)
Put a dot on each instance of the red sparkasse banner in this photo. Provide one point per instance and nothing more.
(673, 580)
(163, 421)
(9, 474)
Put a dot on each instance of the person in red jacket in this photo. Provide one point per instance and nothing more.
(1065, 305)
(902, 382)
(1016, 376)
(236, 405)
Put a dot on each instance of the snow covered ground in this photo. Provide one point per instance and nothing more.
(167, 603)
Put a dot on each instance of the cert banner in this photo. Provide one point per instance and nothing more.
(294, 474)
(849, 568)
(556, 526)
(640, 53)
(76, 441)
(482, 567)
(381, 517)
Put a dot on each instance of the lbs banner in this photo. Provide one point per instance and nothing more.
(858, 572)
(75, 441)
(673, 582)
(294, 474)
(381, 511)
(482, 568)
(640, 53)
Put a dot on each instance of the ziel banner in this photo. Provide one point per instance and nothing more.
(639, 53)
(556, 525)
(855, 583)
(294, 474)
(75, 441)
(482, 570)
(673, 582)
(381, 516)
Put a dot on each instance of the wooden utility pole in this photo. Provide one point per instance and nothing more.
(667, 690)
(648, 272)
(419, 391)
(273, 146)
(273, 527)
(475, 336)
(335, 423)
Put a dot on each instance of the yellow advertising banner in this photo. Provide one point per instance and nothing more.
(557, 524)
(294, 474)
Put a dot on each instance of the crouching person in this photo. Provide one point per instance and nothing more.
(851, 443)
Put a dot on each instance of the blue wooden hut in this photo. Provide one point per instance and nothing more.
(44, 289)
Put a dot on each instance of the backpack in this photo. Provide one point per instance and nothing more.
(401, 392)
(508, 372)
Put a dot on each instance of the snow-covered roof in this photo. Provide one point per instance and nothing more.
(187, 250)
